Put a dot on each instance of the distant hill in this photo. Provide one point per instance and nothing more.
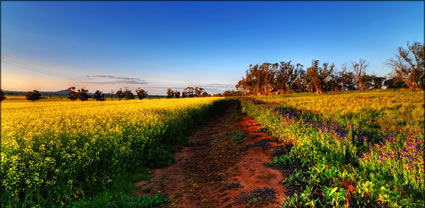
(64, 93)
(60, 92)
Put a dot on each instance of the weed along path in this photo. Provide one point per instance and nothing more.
(223, 166)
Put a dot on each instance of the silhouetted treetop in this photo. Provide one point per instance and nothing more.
(33, 95)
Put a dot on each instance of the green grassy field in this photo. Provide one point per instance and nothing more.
(362, 149)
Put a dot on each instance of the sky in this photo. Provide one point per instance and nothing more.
(50, 46)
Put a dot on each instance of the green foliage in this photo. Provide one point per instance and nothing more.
(158, 157)
(351, 156)
(54, 153)
(119, 190)
(124, 201)
(128, 201)
(33, 96)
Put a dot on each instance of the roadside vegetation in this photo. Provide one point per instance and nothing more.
(357, 149)
(55, 153)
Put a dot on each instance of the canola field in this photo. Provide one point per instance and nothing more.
(54, 152)
(353, 149)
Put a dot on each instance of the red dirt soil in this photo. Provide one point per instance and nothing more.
(222, 168)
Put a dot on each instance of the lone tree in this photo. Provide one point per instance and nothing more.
(120, 94)
(83, 94)
(33, 96)
(170, 93)
(2, 96)
(72, 94)
(360, 73)
(177, 94)
(141, 93)
(128, 95)
(99, 96)
(189, 92)
(408, 65)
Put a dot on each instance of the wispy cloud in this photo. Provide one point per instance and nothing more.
(111, 79)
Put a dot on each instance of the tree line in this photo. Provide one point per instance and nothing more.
(187, 92)
(126, 94)
(83, 94)
(286, 77)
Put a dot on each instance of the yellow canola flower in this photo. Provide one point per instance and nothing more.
(46, 143)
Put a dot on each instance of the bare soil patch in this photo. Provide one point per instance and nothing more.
(223, 166)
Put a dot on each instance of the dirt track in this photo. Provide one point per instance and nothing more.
(223, 167)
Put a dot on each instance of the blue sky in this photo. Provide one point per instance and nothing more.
(156, 45)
